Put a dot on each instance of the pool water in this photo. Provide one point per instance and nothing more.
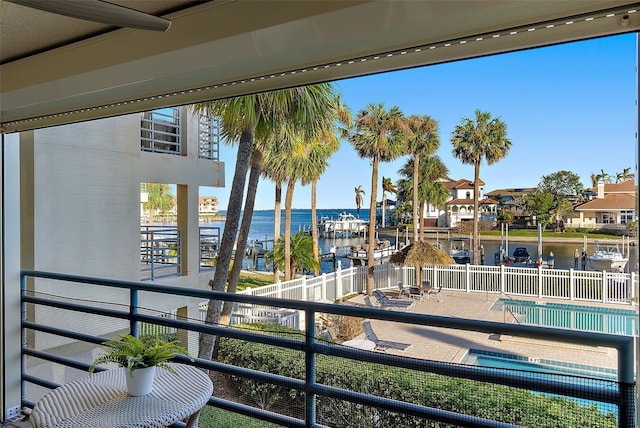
(544, 369)
(577, 317)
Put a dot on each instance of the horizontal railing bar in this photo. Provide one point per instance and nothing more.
(57, 359)
(39, 381)
(408, 408)
(113, 313)
(62, 332)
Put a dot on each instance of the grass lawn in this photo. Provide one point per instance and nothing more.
(253, 280)
(211, 417)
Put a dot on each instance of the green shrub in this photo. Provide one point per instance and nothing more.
(468, 397)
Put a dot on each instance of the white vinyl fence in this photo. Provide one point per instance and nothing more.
(575, 285)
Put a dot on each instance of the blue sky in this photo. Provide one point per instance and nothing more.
(567, 107)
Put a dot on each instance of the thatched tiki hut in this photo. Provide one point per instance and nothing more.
(419, 254)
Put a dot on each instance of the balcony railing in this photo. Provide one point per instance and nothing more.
(160, 252)
(52, 301)
(160, 131)
(209, 246)
(208, 137)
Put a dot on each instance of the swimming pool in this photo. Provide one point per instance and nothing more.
(577, 317)
(547, 369)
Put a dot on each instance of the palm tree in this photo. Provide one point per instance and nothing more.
(159, 199)
(242, 119)
(474, 141)
(424, 140)
(387, 186)
(379, 135)
(359, 192)
(429, 188)
(302, 254)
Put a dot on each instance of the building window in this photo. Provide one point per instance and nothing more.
(160, 131)
(626, 216)
(208, 137)
(468, 195)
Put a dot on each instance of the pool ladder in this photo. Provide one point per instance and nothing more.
(506, 309)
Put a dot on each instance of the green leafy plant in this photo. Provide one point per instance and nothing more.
(139, 353)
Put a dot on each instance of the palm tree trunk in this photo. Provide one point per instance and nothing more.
(276, 229)
(234, 208)
(372, 225)
(384, 207)
(476, 197)
(288, 201)
(314, 224)
(421, 233)
(416, 184)
(243, 235)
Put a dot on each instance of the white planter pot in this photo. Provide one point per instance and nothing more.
(140, 382)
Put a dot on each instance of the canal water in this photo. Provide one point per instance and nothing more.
(263, 221)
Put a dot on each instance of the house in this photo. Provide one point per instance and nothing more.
(509, 199)
(610, 206)
(208, 205)
(459, 206)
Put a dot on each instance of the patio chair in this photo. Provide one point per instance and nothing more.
(403, 291)
(435, 292)
(383, 345)
(390, 304)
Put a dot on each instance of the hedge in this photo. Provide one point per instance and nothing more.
(473, 398)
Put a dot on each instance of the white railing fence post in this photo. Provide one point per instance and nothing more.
(435, 277)
(502, 279)
(539, 282)
(323, 287)
(604, 287)
(572, 284)
(338, 281)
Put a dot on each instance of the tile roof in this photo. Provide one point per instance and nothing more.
(612, 201)
(628, 186)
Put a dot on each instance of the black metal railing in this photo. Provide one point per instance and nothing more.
(127, 312)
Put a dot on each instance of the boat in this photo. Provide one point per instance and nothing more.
(459, 252)
(345, 225)
(381, 252)
(607, 256)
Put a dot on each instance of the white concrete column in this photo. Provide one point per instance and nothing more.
(10, 344)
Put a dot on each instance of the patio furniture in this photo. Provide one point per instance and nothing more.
(386, 303)
(364, 344)
(435, 292)
(101, 400)
(382, 345)
(411, 292)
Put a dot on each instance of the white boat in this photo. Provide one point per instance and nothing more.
(345, 225)
(459, 252)
(382, 251)
(607, 256)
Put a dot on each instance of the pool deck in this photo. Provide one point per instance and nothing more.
(450, 345)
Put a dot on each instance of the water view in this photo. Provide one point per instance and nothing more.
(262, 229)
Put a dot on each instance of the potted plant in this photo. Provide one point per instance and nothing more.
(140, 356)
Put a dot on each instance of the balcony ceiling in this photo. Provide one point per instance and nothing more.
(57, 70)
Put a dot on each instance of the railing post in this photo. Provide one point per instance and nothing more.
(604, 287)
(435, 282)
(468, 275)
(338, 280)
(627, 405)
(310, 368)
(572, 284)
(540, 282)
(133, 312)
(323, 286)
(503, 281)
(279, 288)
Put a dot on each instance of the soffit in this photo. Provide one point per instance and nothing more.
(224, 48)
